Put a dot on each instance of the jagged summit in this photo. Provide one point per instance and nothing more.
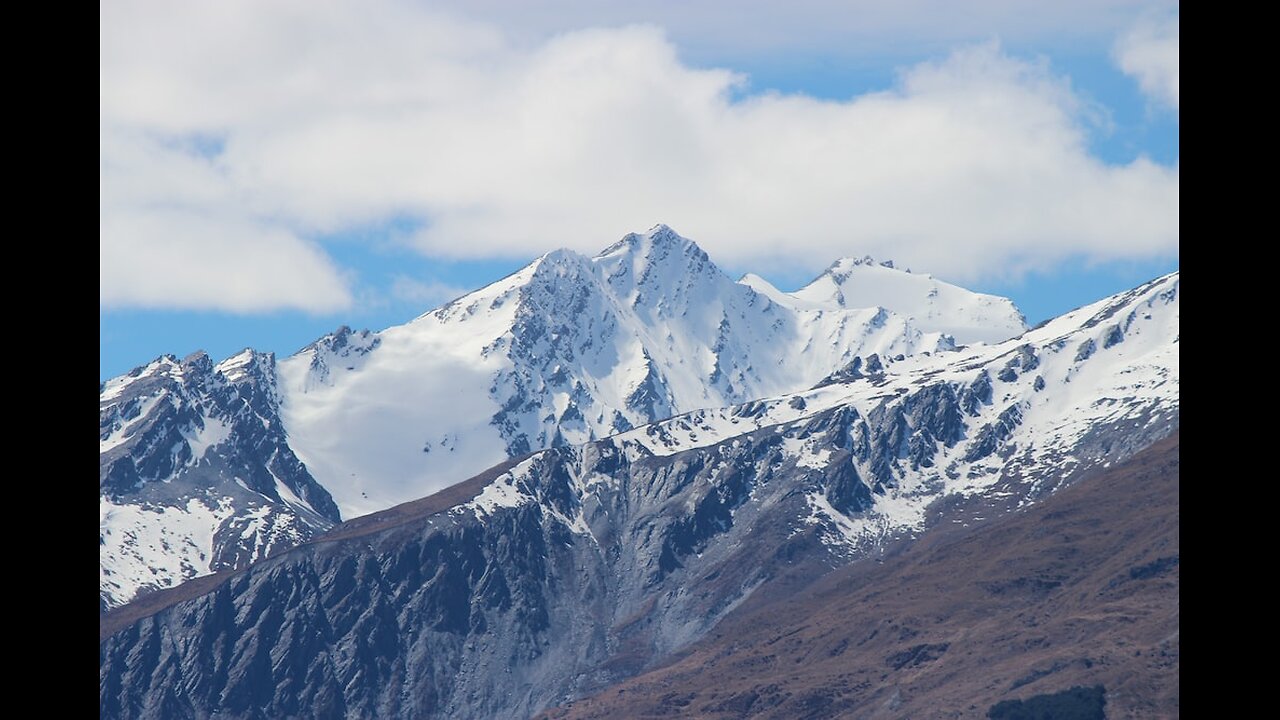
(559, 265)
(660, 237)
(659, 264)
(642, 266)
(844, 264)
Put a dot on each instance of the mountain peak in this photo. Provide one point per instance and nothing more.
(659, 240)
(246, 364)
(767, 289)
(933, 305)
(560, 265)
(846, 264)
(663, 233)
(560, 256)
(659, 263)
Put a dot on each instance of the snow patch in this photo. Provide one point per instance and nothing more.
(214, 432)
(155, 547)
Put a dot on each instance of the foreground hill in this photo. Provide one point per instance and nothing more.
(1078, 591)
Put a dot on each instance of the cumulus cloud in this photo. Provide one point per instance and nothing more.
(1149, 52)
(280, 121)
(174, 233)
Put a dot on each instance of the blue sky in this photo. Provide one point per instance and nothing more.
(360, 163)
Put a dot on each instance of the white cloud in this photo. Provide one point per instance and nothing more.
(320, 116)
(174, 233)
(166, 258)
(1149, 52)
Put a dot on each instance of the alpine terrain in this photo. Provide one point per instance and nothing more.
(809, 442)
(209, 466)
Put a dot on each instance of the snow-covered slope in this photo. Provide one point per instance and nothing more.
(548, 577)
(932, 305)
(564, 351)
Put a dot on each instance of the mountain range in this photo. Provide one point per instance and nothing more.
(631, 454)
(208, 466)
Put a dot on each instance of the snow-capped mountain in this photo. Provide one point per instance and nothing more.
(558, 573)
(196, 474)
(932, 305)
(564, 351)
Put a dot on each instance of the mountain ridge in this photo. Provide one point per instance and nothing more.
(936, 306)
